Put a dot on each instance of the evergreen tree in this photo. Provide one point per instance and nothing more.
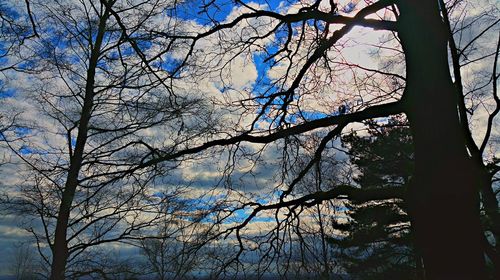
(379, 242)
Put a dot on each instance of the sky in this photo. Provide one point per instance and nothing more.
(245, 75)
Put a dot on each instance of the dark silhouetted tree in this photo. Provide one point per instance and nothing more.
(95, 102)
(303, 50)
(300, 67)
(379, 243)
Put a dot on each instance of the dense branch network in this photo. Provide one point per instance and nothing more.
(129, 120)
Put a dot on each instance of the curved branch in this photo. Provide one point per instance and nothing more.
(376, 111)
(343, 191)
(497, 101)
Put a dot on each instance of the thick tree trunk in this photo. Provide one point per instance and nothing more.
(443, 198)
(444, 194)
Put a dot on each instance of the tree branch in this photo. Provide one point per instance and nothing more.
(376, 111)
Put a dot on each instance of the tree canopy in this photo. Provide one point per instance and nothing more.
(225, 118)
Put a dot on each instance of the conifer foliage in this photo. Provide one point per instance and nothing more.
(379, 241)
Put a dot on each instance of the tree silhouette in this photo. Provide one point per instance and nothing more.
(300, 68)
(91, 105)
(379, 243)
(443, 196)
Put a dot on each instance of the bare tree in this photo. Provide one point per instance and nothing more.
(24, 262)
(128, 75)
(97, 103)
(309, 77)
(173, 249)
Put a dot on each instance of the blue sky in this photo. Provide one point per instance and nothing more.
(61, 42)
(264, 177)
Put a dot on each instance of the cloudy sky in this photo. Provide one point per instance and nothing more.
(220, 73)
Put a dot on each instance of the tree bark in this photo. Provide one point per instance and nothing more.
(443, 197)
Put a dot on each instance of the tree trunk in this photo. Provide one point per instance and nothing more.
(443, 197)
(60, 252)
